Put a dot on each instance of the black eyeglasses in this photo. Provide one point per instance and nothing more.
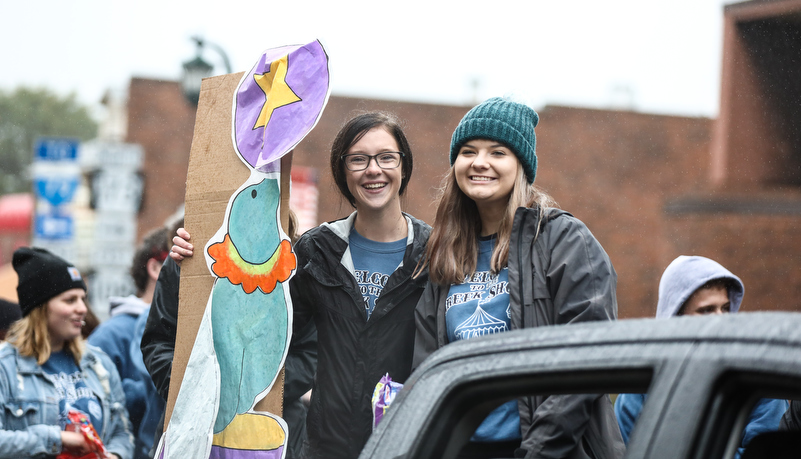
(360, 162)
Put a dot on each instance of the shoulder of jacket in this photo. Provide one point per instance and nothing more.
(556, 225)
(422, 231)
(419, 225)
(109, 330)
(321, 244)
(100, 363)
(312, 237)
(93, 353)
(552, 213)
(171, 267)
(7, 351)
(560, 219)
(321, 231)
(7, 362)
(6, 348)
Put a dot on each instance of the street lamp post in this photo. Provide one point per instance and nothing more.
(197, 69)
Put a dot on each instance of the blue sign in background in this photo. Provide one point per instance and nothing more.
(54, 226)
(56, 190)
(56, 149)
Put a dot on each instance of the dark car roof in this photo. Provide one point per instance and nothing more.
(681, 361)
(779, 328)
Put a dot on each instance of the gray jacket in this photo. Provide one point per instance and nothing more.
(558, 274)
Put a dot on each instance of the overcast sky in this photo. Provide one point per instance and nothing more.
(656, 56)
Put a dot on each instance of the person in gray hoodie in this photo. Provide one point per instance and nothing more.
(691, 286)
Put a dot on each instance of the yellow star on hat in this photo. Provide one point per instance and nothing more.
(276, 90)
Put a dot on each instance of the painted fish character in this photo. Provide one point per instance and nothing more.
(244, 334)
(250, 317)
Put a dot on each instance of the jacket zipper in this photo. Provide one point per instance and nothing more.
(520, 267)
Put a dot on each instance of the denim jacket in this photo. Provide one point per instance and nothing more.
(29, 421)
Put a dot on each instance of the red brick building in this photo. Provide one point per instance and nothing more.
(649, 187)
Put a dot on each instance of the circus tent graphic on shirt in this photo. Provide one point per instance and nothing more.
(479, 324)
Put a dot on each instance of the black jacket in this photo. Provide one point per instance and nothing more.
(353, 352)
(158, 347)
(792, 417)
(558, 274)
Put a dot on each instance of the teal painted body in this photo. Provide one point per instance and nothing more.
(250, 330)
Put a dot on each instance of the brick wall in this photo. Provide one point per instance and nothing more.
(162, 121)
(640, 182)
(613, 170)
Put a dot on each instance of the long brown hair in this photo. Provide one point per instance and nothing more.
(32, 338)
(452, 250)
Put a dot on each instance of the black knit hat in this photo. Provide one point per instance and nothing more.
(9, 313)
(504, 121)
(42, 276)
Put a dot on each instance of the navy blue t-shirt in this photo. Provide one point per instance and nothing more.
(480, 306)
(373, 263)
(72, 390)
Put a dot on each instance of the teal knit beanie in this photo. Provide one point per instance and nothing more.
(504, 121)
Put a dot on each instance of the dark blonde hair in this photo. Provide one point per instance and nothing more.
(31, 337)
(452, 250)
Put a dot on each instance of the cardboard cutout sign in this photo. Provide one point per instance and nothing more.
(245, 328)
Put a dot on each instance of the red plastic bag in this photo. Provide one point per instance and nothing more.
(79, 422)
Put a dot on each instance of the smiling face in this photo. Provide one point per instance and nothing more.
(65, 316)
(375, 189)
(486, 172)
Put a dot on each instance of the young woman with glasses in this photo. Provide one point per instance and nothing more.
(354, 280)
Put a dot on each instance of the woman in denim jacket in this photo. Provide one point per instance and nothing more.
(46, 369)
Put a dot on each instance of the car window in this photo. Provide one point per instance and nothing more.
(476, 409)
(744, 410)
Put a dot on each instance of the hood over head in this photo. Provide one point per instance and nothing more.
(130, 305)
(685, 275)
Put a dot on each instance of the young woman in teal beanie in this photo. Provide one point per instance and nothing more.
(502, 257)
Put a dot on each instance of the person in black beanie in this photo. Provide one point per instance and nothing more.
(46, 367)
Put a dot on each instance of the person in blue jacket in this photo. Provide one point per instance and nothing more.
(47, 371)
(694, 285)
(153, 403)
(115, 335)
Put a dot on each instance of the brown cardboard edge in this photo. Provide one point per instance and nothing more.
(214, 173)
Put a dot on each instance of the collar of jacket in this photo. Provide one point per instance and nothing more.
(28, 365)
(336, 247)
(329, 258)
(527, 228)
(524, 225)
(342, 229)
